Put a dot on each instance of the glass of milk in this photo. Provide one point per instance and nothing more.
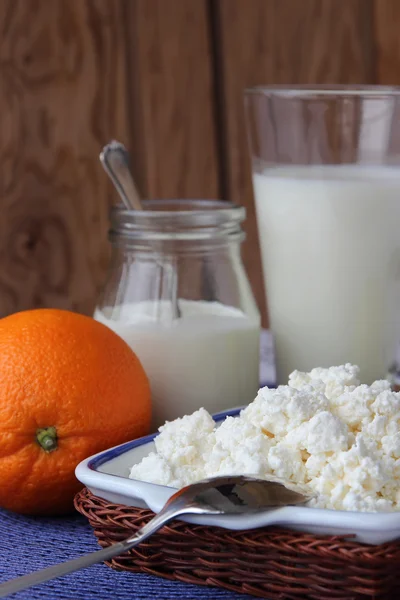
(206, 353)
(326, 179)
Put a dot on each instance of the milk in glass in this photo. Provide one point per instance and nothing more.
(330, 242)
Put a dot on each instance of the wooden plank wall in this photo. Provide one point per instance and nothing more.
(166, 77)
(62, 92)
(174, 134)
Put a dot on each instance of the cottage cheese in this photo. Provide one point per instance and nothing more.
(324, 430)
(183, 449)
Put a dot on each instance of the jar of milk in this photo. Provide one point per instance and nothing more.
(178, 294)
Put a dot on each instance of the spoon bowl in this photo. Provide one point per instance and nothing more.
(233, 495)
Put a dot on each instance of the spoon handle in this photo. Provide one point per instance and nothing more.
(26, 581)
(115, 160)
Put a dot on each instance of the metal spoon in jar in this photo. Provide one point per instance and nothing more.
(116, 162)
(217, 496)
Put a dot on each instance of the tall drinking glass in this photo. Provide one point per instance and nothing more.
(326, 178)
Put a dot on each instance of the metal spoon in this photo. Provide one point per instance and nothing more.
(116, 162)
(217, 496)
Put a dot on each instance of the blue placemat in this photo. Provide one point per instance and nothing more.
(29, 543)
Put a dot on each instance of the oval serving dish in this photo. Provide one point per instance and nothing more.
(106, 475)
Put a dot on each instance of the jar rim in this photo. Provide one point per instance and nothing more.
(178, 219)
(321, 90)
(158, 209)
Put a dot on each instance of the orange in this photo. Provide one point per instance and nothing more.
(69, 387)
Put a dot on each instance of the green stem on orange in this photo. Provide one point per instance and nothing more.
(46, 437)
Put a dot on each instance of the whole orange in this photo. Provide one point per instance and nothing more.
(69, 387)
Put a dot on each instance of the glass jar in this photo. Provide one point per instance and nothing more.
(178, 294)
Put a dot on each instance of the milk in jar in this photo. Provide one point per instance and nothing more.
(206, 354)
(208, 357)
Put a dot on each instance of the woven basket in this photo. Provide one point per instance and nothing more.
(269, 563)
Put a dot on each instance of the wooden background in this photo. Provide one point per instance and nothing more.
(166, 78)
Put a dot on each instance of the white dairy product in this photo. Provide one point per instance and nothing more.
(278, 411)
(209, 357)
(239, 448)
(355, 480)
(306, 435)
(330, 248)
(156, 469)
(333, 381)
(322, 433)
(183, 447)
(286, 463)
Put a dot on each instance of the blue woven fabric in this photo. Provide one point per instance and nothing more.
(28, 544)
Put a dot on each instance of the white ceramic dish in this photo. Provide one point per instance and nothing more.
(106, 475)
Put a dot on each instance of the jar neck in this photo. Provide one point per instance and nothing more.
(176, 226)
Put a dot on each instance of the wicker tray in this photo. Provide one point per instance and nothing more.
(269, 563)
